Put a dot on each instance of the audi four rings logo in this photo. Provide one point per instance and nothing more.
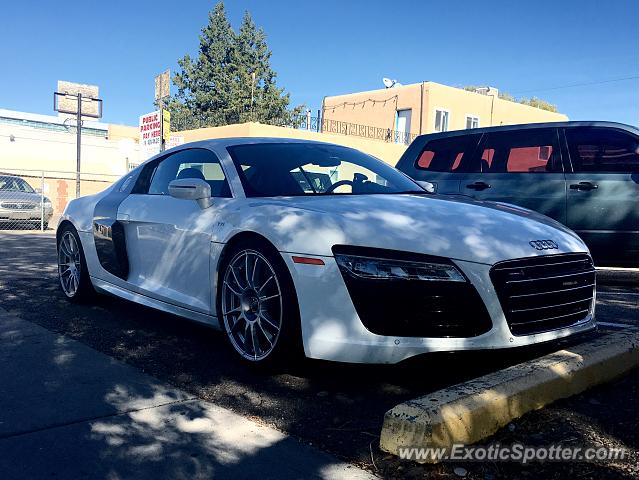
(543, 244)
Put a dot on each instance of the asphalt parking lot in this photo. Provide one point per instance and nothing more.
(338, 408)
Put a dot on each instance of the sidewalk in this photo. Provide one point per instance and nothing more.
(68, 411)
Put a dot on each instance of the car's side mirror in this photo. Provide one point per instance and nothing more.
(428, 186)
(192, 189)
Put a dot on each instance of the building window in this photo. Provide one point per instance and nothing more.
(472, 121)
(441, 120)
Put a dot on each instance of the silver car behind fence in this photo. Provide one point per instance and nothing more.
(23, 206)
(34, 199)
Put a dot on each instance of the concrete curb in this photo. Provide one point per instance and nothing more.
(608, 276)
(471, 411)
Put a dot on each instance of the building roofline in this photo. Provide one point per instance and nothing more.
(53, 119)
(376, 90)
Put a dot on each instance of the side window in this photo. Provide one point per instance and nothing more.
(527, 151)
(447, 154)
(472, 121)
(603, 150)
(441, 120)
(192, 163)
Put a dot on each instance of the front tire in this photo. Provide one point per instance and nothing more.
(73, 274)
(257, 305)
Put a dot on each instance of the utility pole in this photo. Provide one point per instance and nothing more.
(78, 129)
(69, 99)
(163, 91)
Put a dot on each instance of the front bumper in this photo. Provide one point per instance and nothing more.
(30, 215)
(332, 329)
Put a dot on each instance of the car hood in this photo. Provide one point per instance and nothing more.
(6, 195)
(462, 229)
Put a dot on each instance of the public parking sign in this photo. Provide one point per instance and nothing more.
(150, 134)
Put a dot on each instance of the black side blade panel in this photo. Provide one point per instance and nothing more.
(108, 233)
(110, 244)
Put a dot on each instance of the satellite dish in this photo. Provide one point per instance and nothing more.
(388, 83)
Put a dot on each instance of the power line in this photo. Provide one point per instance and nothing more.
(582, 84)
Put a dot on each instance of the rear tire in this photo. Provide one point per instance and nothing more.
(73, 275)
(257, 305)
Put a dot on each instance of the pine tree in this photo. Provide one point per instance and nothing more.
(258, 97)
(231, 81)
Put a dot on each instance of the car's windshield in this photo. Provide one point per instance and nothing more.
(14, 184)
(287, 169)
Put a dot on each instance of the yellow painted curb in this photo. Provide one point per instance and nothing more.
(471, 411)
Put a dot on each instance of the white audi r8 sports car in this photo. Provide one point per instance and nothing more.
(304, 246)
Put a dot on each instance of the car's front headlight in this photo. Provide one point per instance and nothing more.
(390, 269)
(408, 294)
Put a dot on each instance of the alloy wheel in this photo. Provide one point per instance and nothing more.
(252, 305)
(69, 264)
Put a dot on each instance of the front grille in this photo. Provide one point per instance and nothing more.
(17, 206)
(545, 293)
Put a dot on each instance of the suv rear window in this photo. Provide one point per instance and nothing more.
(603, 150)
(447, 154)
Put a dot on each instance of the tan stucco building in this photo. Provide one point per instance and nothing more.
(428, 107)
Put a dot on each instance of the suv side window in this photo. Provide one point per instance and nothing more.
(604, 150)
(450, 154)
(526, 151)
(190, 163)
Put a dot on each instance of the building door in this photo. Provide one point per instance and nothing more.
(402, 126)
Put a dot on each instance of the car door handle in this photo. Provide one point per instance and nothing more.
(478, 186)
(584, 186)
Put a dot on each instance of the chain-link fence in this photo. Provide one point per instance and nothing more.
(35, 199)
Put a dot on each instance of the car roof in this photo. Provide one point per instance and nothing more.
(234, 141)
(528, 126)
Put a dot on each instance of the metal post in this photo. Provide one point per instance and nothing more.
(79, 142)
(308, 119)
(161, 105)
(319, 120)
(42, 202)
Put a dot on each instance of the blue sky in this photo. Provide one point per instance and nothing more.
(332, 47)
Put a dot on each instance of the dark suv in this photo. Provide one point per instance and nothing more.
(583, 174)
